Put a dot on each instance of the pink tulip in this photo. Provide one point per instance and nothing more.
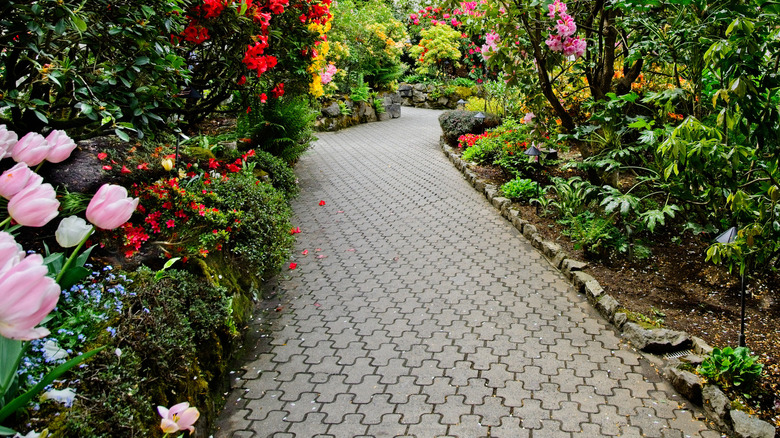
(60, 146)
(27, 295)
(110, 207)
(13, 180)
(30, 149)
(179, 417)
(11, 252)
(7, 140)
(34, 206)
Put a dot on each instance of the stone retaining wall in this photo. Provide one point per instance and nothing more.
(331, 118)
(430, 96)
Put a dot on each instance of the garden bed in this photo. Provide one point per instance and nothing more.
(675, 288)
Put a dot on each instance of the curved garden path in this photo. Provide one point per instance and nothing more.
(419, 311)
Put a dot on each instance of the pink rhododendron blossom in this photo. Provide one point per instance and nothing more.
(557, 7)
(554, 43)
(566, 26)
(528, 117)
(574, 47)
(327, 74)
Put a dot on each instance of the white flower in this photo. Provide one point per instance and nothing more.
(72, 231)
(64, 396)
(52, 351)
(118, 352)
(30, 434)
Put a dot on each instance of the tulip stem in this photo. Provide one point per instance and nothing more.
(73, 255)
(5, 222)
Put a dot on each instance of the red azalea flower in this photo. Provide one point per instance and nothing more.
(263, 98)
(278, 90)
(241, 81)
(102, 155)
(125, 170)
(107, 167)
(143, 166)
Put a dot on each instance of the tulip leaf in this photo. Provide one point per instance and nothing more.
(54, 263)
(81, 260)
(73, 276)
(9, 349)
(25, 398)
(6, 431)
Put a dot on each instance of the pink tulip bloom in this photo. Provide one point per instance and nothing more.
(60, 146)
(34, 206)
(11, 253)
(27, 295)
(178, 417)
(110, 207)
(31, 149)
(13, 180)
(7, 141)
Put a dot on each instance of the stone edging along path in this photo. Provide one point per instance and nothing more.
(716, 405)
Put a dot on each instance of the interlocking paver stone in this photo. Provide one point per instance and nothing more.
(419, 311)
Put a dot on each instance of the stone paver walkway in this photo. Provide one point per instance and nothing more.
(418, 311)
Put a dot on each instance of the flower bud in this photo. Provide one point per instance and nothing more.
(31, 149)
(34, 206)
(72, 231)
(167, 164)
(7, 141)
(111, 207)
(60, 146)
(13, 180)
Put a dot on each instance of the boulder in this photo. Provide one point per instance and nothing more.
(748, 426)
(716, 406)
(405, 90)
(394, 110)
(332, 110)
(657, 341)
(686, 383)
(607, 306)
(550, 249)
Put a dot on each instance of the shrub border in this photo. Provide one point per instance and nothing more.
(653, 343)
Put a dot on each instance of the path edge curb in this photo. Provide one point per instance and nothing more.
(715, 404)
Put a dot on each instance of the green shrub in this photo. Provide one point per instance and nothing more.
(456, 123)
(520, 189)
(596, 236)
(731, 367)
(166, 347)
(261, 241)
(485, 151)
(283, 127)
(280, 174)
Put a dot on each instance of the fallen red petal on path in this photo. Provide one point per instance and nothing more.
(322, 203)
(293, 265)
(305, 251)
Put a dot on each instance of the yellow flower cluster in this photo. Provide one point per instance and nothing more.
(319, 61)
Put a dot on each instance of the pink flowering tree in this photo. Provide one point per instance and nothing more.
(547, 43)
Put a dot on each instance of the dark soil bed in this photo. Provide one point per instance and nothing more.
(676, 288)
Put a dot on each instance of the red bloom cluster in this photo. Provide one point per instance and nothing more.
(468, 140)
(195, 33)
(278, 90)
(319, 12)
(212, 8)
(254, 58)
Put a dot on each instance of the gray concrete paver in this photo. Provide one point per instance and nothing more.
(420, 312)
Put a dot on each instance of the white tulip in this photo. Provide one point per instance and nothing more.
(72, 231)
